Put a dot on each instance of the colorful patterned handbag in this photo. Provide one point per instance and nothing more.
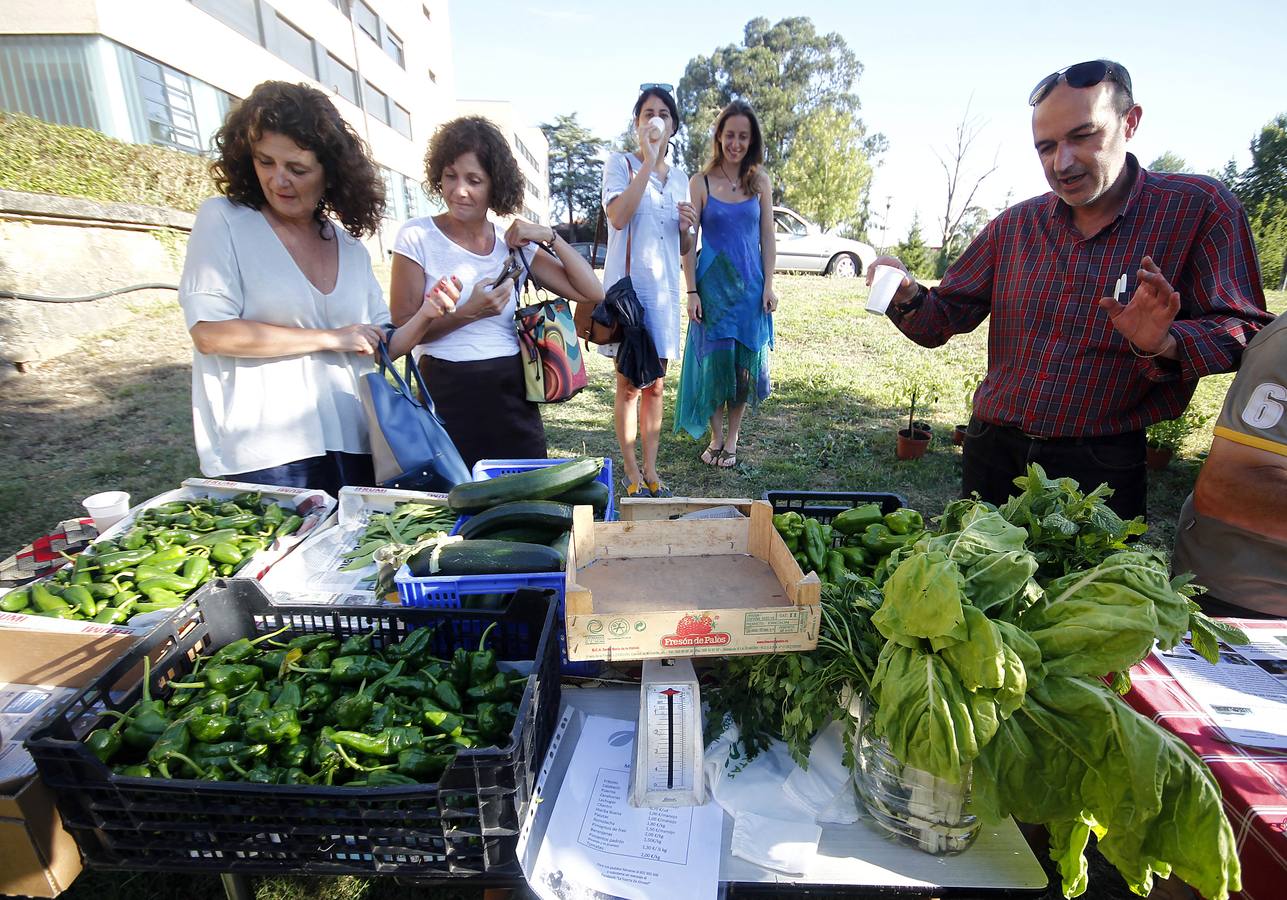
(553, 364)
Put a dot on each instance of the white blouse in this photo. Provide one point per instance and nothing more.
(421, 241)
(654, 248)
(250, 414)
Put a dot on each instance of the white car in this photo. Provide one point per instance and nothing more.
(804, 247)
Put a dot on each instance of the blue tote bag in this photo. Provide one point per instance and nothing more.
(409, 445)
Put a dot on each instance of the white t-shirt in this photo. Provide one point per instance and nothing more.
(654, 248)
(421, 241)
(250, 414)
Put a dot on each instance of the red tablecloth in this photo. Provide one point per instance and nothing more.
(1253, 782)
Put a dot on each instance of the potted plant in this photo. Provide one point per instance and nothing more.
(1165, 437)
(972, 385)
(915, 438)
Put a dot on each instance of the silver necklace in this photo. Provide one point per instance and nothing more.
(733, 184)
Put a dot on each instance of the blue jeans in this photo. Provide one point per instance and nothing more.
(328, 472)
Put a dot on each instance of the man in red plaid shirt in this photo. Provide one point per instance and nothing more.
(1074, 376)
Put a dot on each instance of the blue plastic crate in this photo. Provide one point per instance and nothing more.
(446, 591)
(491, 468)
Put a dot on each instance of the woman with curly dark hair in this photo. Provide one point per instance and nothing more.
(283, 308)
(470, 358)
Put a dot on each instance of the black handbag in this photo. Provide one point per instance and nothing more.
(409, 445)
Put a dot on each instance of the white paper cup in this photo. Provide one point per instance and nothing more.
(885, 282)
(107, 508)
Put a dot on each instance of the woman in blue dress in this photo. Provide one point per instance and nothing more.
(730, 289)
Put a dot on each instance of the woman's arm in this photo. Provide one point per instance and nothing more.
(566, 273)
(259, 340)
(696, 190)
(406, 288)
(621, 208)
(768, 240)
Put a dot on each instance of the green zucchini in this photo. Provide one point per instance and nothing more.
(561, 543)
(518, 514)
(534, 484)
(526, 535)
(487, 558)
(592, 493)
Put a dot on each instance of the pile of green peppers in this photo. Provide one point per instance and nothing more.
(316, 710)
(863, 534)
(171, 550)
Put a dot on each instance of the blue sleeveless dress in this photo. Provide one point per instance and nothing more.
(726, 356)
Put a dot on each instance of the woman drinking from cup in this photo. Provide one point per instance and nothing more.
(646, 203)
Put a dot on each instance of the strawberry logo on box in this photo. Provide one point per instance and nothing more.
(696, 631)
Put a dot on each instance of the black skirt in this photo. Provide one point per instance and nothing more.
(484, 407)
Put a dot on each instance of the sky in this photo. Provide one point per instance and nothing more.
(1208, 75)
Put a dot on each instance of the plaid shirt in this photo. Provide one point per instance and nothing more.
(1056, 365)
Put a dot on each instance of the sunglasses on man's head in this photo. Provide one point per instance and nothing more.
(659, 85)
(1083, 75)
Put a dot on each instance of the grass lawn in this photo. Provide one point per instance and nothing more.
(117, 415)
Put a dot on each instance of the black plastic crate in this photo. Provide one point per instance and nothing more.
(465, 825)
(826, 505)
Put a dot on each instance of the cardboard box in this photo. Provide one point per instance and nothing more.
(640, 509)
(686, 587)
(312, 573)
(37, 857)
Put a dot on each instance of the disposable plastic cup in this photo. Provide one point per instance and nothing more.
(107, 508)
(884, 284)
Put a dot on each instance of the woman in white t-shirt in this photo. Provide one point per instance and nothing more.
(283, 308)
(470, 359)
(646, 203)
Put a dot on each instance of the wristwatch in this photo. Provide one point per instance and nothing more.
(913, 303)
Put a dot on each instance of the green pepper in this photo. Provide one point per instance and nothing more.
(82, 599)
(180, 536)
(125, 596)
(238, 521)
(252, 703)
(242, 648)
(317, 696)
(325, 755)
(102, 590)
(196, 568)
(314, 659)
(815, 546)
(175, 739)
(291, 754)
(16, 600)
(482, 662)
(441, 720)
(115, 615)
(879, 541)
(104, 742)
(490, 723)
(44, 599)
(352, 669)
(423, 765)
(855, 558)
(415, 685)
(289, 526)
(801, 560)
(791, 526)
(211, 728)
(413, 647)
(136, 771)
(224, 678)
(226, 552)
(352, 710)
(307, 643)
(148, 717)
(856, 520)
(135, 538)
(173, 583)
(835, 568)
(458, 669)
(904, 521)
(213, 537)
(358, 644)
(295, 775)
(445, 693)
(274, 515)
(275, 727)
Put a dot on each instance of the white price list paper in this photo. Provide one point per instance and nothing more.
(598, 846)
(1245, 694)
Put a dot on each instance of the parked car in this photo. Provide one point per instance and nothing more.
(600, 252)
(804, 247)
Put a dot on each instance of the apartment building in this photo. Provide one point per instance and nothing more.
(166, 71)
(530, 147)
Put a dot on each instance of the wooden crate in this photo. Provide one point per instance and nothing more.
(686, 587)
(639, 509)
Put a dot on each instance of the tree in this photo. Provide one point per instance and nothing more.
(972, 222)
(961, 188)
(913, 253)
(827, 173)
(1262, 188)
(575, 167)
(1168, 162)
(787, 72)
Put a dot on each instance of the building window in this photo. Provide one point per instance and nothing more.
(531, 188)
(400, 120)
(241, 15)
(433, 76)
(367, 20)
(167, 105)
(527, 154)
(48, 78)
(531, 216)
(377, 104)
(393, 47)
(341, 79)
(295, 47)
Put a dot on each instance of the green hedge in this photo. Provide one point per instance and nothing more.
(42, 158)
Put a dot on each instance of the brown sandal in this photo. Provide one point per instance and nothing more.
(710, 456)
(726, 460)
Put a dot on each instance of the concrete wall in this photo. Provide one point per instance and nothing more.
(60, 246)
